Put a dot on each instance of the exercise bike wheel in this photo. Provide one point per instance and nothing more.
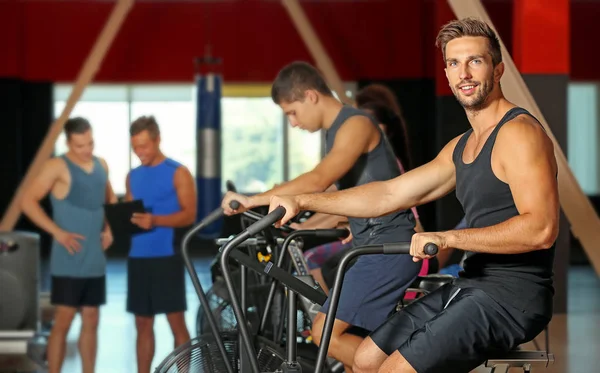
(201, 355)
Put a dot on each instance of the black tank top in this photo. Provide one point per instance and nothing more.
(522, 280)
(379, 164)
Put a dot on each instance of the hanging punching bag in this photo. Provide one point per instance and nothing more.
(208, 145)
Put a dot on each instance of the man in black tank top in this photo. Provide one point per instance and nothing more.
(357, 153)
(505, 175)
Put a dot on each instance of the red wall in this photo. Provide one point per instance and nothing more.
(375, 39)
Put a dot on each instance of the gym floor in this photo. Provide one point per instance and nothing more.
(573, 338)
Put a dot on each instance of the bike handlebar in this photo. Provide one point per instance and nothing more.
(404, 248)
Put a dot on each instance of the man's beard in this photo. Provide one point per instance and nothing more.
(477, 102)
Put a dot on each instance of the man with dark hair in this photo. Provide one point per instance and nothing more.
(294, 79)
(156, 277)
(504, 172)
(78, 185)
(357, 153)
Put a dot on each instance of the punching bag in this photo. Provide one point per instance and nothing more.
(208, 149)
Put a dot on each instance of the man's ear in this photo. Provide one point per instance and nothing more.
(311, 96)
(499, 71)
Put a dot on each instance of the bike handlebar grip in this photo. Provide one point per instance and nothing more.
(396, 248)
(431, 249)
(234, 205)
(332, 233)
(213, 216)
(271, 218)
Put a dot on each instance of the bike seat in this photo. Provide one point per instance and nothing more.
(429, 283)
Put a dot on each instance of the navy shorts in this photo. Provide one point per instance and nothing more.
(156, 285)
(455, 330)
(372, 288)
(78, 291)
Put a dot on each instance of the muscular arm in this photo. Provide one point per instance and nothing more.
(421, 185)
(186, 194)
(39, 189)
(322, 221)
(352, 140)
(527, 164)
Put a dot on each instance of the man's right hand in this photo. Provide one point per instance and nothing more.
(231, 196)
(69, 241)
(291, 208)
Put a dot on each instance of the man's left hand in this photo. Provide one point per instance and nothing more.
(143, 220)
(419, 240)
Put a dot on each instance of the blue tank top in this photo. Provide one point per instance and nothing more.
(81, 212)
(379, 164)
(154, 185)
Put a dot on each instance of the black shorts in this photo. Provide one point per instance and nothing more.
(156, 285)
(78, 291)
(455, 330)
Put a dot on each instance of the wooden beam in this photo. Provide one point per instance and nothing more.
(577, 207)
(314, 45)
(86, 74)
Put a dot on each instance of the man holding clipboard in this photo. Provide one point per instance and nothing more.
(156, 275)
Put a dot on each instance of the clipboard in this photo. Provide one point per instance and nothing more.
(119, 215)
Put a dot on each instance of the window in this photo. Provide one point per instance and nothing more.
(252, 143)
(258, 147)
(304, 151)
(582, 135)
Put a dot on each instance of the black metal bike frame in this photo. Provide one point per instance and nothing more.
(396, 248)
(212, 217)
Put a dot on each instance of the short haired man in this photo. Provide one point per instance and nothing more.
(78, 185)
(357, 153)
(156, 276)
(504, 172)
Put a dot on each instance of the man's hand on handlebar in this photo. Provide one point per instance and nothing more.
(291, 208)
(345, 225)
(245, 203)
(419, 240)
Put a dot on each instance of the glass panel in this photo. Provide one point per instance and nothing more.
(109, 122)
(252, 143)
(304, 151)
(583, 136)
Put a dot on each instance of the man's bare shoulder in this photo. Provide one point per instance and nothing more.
(358, 123)
(523, 131)
(183, 174)
(448, 150)
(103, 163)
(55, 165)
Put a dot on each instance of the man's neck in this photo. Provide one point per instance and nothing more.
(333, 108)
(158, 159)
(484, 119)
(75, 159)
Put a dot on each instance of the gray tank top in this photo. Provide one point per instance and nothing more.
(380, 164)
(81, 212)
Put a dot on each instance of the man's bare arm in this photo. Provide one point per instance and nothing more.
(352, 140)
(321, 221)
(186, 194)
(39, 189)
(528, 166)
(416, 187)
(128, 197)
